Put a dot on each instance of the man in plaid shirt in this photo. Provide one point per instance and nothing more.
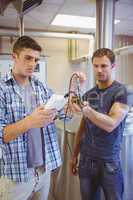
(28, 141)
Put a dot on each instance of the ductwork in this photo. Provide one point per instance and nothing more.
(29, 5)
(42, 34)
(3, 5)
(24, 6)
(124, 50)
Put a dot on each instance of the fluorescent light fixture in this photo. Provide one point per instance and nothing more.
(76, 21)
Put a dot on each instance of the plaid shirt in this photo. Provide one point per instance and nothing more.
(13, 155)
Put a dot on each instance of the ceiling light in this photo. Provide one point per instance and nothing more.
(75, 21)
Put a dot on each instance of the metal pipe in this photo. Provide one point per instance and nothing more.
(21, 25)
(99, 24)
(41, 34)
(124, 50)
(105, 10)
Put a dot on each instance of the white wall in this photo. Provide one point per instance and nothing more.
(59, 69)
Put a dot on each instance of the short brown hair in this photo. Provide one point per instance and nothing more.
(104, 52)
(25, 42)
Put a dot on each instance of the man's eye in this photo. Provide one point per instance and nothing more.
(28, 58)
(36, 60)
(103, 66)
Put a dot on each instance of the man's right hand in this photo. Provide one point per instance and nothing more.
(41, 117)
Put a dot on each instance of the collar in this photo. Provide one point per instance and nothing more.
(9, 76)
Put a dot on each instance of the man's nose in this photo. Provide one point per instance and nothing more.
(99, 69)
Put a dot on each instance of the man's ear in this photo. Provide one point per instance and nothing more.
(113, 65)
(14, 56)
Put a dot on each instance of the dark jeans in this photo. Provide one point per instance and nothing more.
(95, 174)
